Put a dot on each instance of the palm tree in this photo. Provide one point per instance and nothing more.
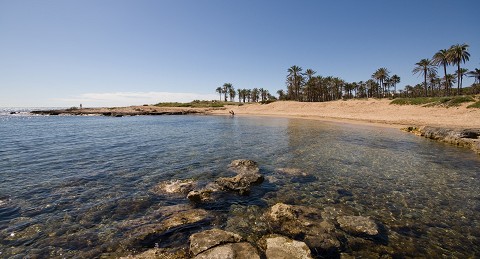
(475, 74)
(381, 75)
(424, 67)
(449, 80)
(395, 80)
(226, 89)
(294, 80)
(309, 73)
(442, 58)
(232, 93)
(248, 94)
(281, 95)
(240, 95)
(461, 73)
(220, 91)
(432, 78)
(458, 54)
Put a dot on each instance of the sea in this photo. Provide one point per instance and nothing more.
(69, 185)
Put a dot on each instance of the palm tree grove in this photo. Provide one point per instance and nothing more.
(441, 75)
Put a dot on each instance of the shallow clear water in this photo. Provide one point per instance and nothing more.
(69, 184)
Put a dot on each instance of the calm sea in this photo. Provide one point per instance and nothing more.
(68, 183)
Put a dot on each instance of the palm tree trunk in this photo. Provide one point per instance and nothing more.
(445, 78)
(458, 80)
(425, 82)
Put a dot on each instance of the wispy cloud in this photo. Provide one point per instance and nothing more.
(131, 98)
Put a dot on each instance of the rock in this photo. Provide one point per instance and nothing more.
(305, 223)
(241, 166)
(358, 225)
(248, 221)
(242, 250)
(459, 137)
(147, 233)
(200, 242)
(281, 211)
(200, 195)
(240, 183)
(159, 253)
(174, 187)
(291, 171)
(279, 247)
(247, 175)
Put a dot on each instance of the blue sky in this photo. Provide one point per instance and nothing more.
(117, 52)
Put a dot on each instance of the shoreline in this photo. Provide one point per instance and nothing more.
(457, 126)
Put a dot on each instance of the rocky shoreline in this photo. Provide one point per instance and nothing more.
(126, 111)
(467, 138)
(278, 231)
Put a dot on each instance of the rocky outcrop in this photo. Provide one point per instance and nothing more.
(174, 187)
(241, 250)
(147, 230)
(280, 247)
(200, 242)
(304, 223)
(469, 138)
(358, 225)
(217, 243)
(247, 175)
(160, 253)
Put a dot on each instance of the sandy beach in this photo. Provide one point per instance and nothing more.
(366, 111)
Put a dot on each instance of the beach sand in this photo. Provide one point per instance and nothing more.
(365, 111)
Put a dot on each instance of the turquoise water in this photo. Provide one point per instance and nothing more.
(69, 183)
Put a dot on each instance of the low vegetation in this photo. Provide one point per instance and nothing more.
(474, 105)
(195, 104)
(434, 101)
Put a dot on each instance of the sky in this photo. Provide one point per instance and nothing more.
(60, 53)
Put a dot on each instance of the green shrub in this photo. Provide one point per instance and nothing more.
(434, 101)
(474, 105)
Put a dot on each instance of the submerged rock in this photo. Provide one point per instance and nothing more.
(248, 221)
(304, 223)
(200, 195)
(358, 225)
(160, 253)
(280, 247)
(174, 187)
(241, 250)
(282, 211)
(200, 242)
(291, 171)
(247, 175)
(148, 230)
(242, 166)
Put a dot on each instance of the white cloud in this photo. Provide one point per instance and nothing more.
(131, 98)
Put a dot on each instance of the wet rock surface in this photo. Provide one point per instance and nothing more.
(247, 175)
(160, 253)
(358, 225)
(469, 138)
(174, 187)
(280, 247)
(241, 250)
(200, 242)
(304, 223)
(162, 225)
(291, 171)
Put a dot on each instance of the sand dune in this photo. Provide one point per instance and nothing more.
(366, 111)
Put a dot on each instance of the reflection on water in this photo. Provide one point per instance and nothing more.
(72, 186)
